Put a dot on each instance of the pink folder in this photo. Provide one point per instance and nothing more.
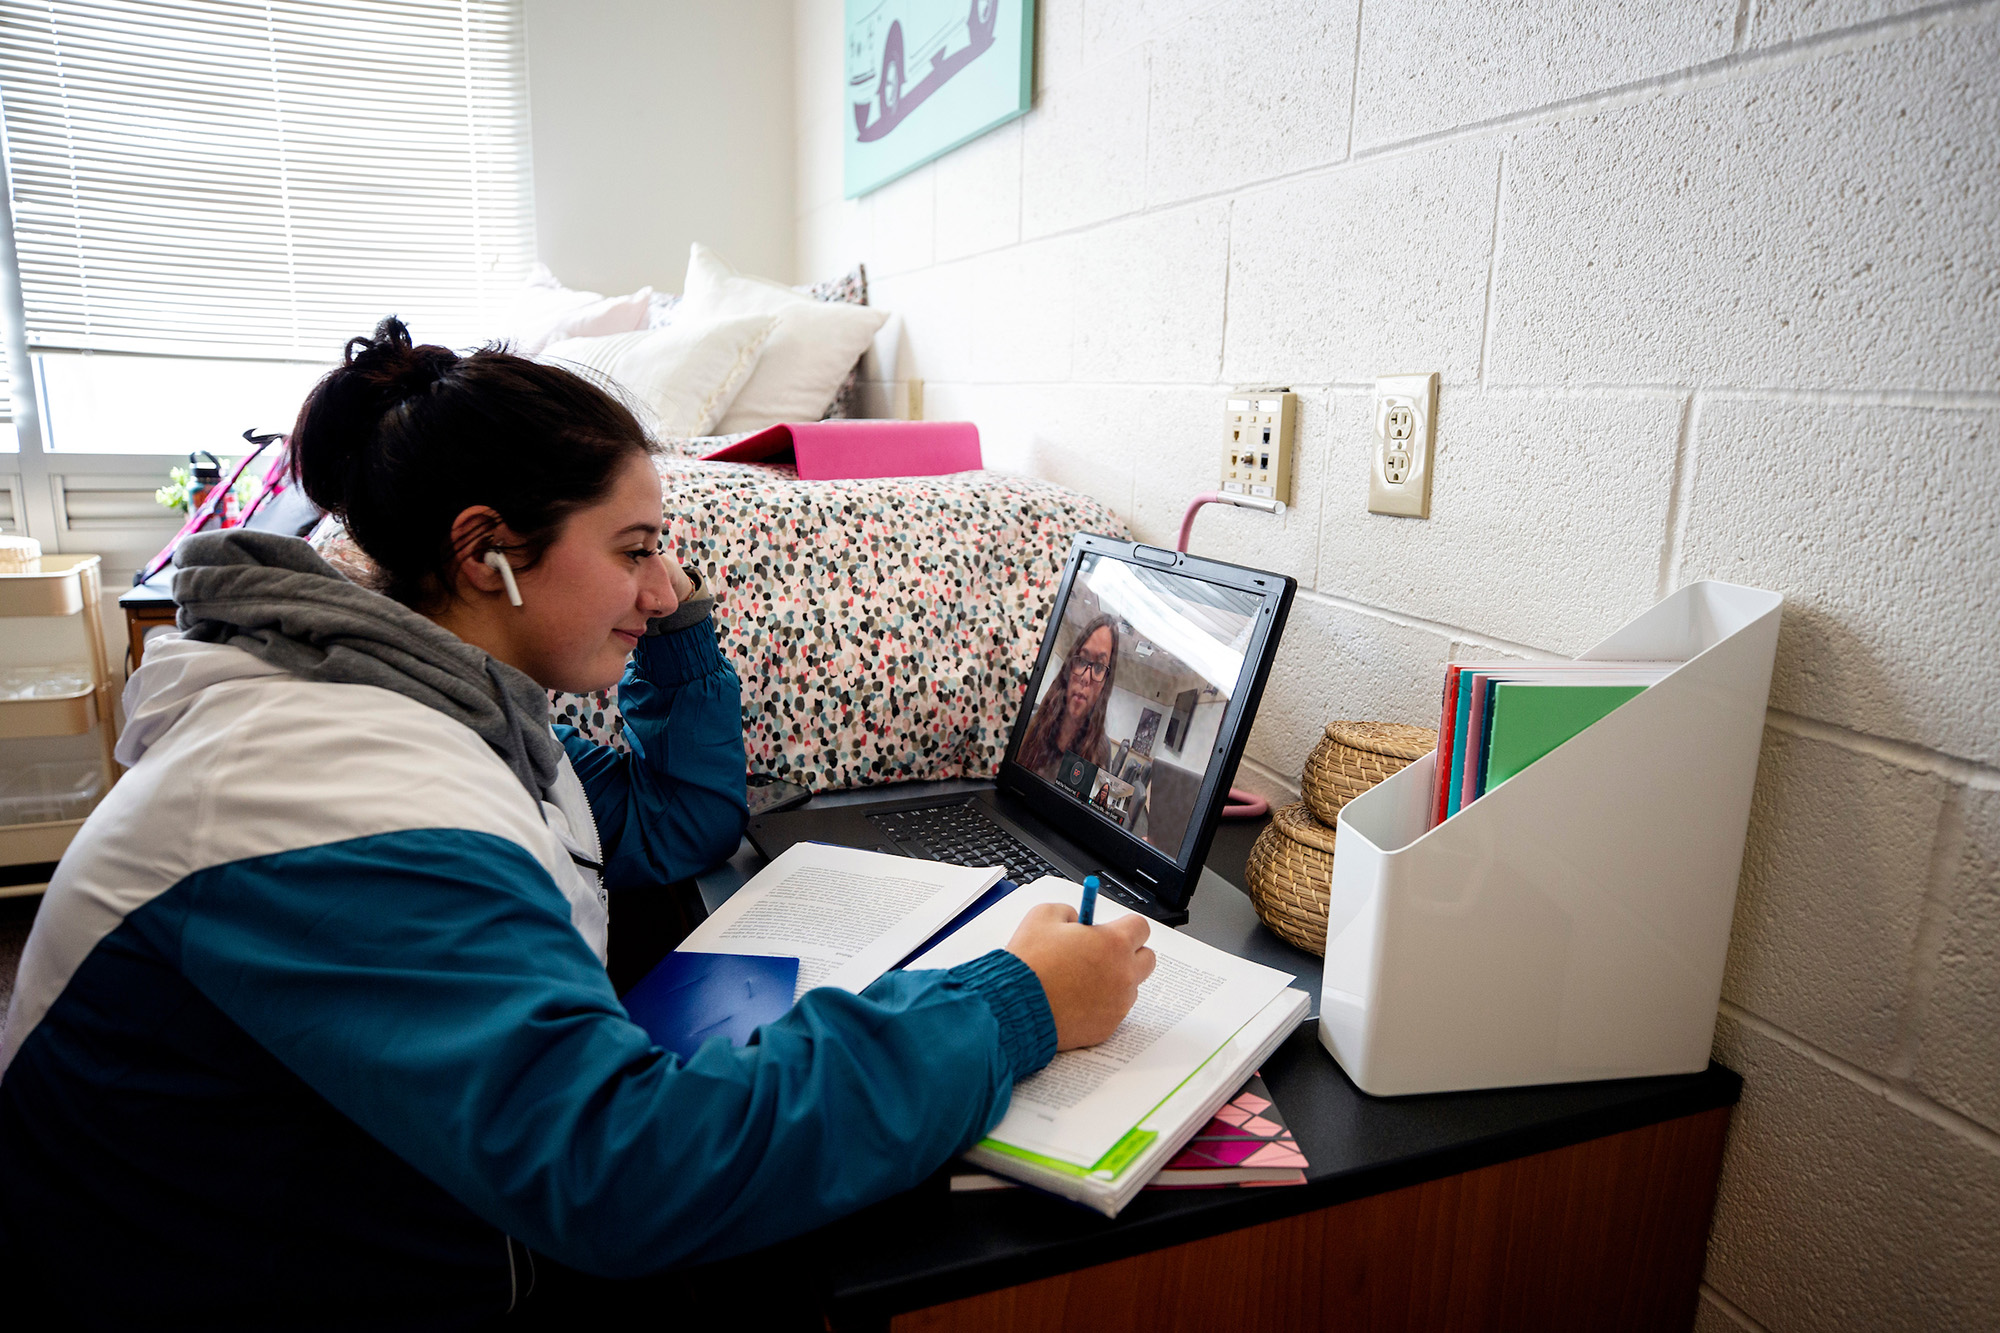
(851, 450)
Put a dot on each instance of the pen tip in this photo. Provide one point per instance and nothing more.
(1090, 882)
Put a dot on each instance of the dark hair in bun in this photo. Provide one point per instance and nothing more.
(400, 439)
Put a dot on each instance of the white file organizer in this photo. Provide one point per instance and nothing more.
(1571, 923)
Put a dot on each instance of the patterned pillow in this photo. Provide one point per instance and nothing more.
(884, 629)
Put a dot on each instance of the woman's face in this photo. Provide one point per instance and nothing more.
(585, 604)
(1087, 669)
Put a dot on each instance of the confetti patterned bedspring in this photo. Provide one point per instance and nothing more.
(884, 630)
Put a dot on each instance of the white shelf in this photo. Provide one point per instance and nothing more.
(25, 844)
(51, 715)
(66, 585)
(58, 590)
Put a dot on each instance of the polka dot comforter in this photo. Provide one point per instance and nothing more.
(884, 629)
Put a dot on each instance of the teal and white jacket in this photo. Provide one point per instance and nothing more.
(313, 1025)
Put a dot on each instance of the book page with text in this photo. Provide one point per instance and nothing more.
(1084, 1101)
(846, 915)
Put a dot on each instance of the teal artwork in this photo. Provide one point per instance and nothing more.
(924, 76)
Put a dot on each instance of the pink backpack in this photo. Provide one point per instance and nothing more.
(278, 504)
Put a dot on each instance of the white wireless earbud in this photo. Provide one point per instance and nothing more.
(499, 562)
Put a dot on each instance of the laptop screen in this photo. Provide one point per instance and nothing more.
(1126, 713)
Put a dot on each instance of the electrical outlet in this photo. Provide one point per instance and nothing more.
(1399, 477)
(1259, 426)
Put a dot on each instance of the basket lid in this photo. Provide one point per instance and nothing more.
(1398, 740)
(1296, 822)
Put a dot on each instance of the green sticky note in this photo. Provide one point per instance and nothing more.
(1529, 720)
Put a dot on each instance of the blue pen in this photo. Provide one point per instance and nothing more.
(1089, 907)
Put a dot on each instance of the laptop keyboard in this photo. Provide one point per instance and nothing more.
(962, 835)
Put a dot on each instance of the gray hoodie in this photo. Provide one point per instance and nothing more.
(274, 598)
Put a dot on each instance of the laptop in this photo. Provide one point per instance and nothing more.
(1118, 764)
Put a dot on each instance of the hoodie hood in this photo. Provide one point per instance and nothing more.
(275, 599)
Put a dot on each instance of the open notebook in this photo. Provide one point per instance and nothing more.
(1096, 1124)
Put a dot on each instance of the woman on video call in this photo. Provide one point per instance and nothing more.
(1070, 718)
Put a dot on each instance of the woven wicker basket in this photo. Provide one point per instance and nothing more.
(1290, 867)
(1354, 756)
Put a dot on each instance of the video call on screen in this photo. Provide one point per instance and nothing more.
(1126, 713)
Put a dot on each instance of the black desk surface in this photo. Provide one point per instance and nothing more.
(929, 1245)
(153, 596)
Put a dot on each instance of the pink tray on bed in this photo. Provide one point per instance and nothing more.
(853, 450)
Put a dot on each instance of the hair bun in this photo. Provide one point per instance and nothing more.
(342, 417)
(400, 439)
(394, 366)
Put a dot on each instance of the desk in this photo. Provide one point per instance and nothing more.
(147, 606)
(1580, 1206)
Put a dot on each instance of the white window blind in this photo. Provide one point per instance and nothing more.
(264, 180)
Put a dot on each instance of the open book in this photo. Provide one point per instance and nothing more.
(816, 916)
(1096, 1123)
(848, 916)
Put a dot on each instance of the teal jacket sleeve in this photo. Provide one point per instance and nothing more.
(430, 986)
(675, 805)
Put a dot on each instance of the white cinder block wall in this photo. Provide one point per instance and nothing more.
(1714, 289)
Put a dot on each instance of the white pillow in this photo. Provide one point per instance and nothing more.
(685, 375)
(545, 311)
(810, 352)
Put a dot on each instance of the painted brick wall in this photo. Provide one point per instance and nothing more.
(1714, 290)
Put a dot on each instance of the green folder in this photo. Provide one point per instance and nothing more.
(1529, 720)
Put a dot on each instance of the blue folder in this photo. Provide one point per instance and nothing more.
(692, 997)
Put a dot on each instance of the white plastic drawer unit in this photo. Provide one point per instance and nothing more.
(1572, 922)
(46, 701)
(46, 793)
(43, 805)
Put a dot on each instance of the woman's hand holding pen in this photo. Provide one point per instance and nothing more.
(1091, 974)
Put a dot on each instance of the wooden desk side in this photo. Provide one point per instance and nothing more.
(1610, 1234)
(138, 622)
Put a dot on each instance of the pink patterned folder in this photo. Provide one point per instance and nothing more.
(1246, 1143)
(851, 450)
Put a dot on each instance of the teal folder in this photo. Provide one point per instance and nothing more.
(1455, 794)
(1529, 720)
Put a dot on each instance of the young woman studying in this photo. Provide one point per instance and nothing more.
(313, 1026)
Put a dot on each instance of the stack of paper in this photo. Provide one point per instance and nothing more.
(1097, 1123)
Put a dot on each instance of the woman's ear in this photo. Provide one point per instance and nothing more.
(476, 531)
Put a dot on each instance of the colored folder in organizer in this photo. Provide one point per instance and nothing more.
(852, 450)
(1531, 718)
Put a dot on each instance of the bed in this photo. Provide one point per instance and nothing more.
(884, 629)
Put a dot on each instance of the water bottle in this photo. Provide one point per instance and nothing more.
(203, 479)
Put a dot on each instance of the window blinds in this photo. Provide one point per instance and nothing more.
(222, 178)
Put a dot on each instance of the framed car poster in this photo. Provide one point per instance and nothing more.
(924, 76)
